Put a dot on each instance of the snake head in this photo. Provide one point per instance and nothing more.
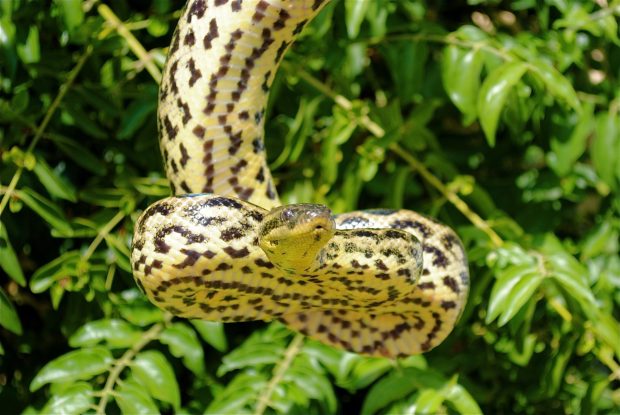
(292, 236)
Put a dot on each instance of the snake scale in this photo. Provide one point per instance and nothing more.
(377, 282)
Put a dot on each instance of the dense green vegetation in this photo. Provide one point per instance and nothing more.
(499, 118)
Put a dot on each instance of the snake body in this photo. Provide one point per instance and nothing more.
(378, 282)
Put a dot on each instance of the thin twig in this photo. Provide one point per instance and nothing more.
(132, 42)
(125, 360)
(415, 164)
(62, 91)
(278, 373)
(472, 216)
(102, 233)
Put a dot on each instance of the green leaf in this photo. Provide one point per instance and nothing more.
(560, 87)
(606, 328)
(61, 267)
(460, 73)
(407, 62)
(569, 139)
(45, 208)
(603, 239)
(238, 395)
(461, 399)
(153, 371)
(80, 154)
(428, 402)
(521, 293)
(305, 381)
(80, 364)
(254, 356)
(136, 114)
(76, 115)
(76, 399)
(113, 332)
(7, 42)
(8, 316)
(393, 387)
(8, 260)
(493, 94)
(355, 11)
(212, 332)
(30, 51)
(504, 287)
(72, 13)
(338, 363)
(137, 310)
(118, 251)
(54, 184)
(605, 154)
(365, 372)
(133, 399)
(184, 343)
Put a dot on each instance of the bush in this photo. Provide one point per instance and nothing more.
(499, 118)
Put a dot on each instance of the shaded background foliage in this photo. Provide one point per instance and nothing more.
(499, 118)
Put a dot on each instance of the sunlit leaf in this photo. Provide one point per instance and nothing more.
(605, 147)
(113, 332)
(184, 343)
(75, 399)
(132, 398)
(519, 295)
(212, 332)
(30, 50)
(240, 394)
(493, 95)
(80, 364)
(504, 287)
(460, 73)
(256, 355)
(396, 386)
(154, 372)
(355, 13)
(560, 87)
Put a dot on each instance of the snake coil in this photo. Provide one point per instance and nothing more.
(378, 282)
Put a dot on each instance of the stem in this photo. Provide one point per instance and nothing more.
(415, 164)
(103, 232)
(472, 216)
(62, 91)
(125, 360)
(278, 373)
(133, 43)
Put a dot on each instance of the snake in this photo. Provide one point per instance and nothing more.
(379, 282)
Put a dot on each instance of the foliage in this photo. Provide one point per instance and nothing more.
(501, 119)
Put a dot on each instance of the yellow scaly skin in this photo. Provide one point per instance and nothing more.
(382, 282)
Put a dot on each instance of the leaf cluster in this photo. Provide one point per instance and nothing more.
(499, 118)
